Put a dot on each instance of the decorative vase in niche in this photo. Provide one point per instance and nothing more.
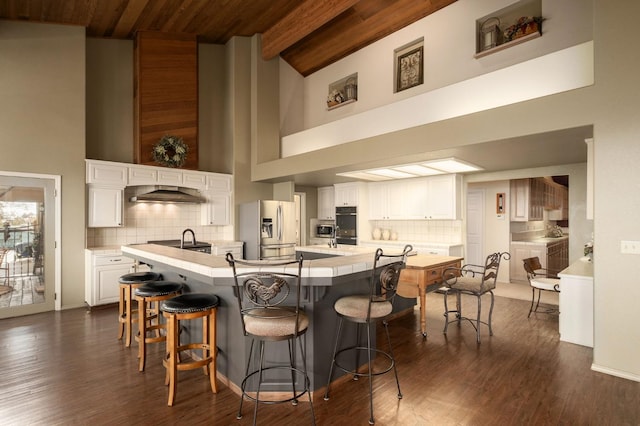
(394, 236)
(386, 234)
(377, 233)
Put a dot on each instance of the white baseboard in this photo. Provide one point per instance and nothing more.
(617, 373)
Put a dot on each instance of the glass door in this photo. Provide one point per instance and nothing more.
(27, 244)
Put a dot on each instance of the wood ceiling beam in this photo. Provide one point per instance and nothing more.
(302, 21)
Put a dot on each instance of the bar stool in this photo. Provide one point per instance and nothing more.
(186, 307)
(149, 297)
(269, 303)
(364, 310)
(128, 283)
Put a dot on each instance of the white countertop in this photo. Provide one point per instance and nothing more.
(578, 269)
(413, 243)
(217, 267)
(541, 240)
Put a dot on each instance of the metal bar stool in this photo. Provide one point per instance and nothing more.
(186, 307)
(126, 314)
(269, 303)
(149, 297)
(364, 310)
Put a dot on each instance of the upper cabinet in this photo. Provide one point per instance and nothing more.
(326, 203)
(347, 194)
(435, 197)
(527, 199)
(106, 182)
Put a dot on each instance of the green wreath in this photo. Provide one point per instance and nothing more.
(170, 151)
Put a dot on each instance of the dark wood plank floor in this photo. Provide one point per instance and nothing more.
(68, 368)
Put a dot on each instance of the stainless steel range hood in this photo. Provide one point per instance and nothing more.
(167, 194)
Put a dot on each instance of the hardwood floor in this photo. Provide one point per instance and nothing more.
(69, 368)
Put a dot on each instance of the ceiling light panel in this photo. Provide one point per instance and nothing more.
(452, 165)
(418, 170)
(390, 173)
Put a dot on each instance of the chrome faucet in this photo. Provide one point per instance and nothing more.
(333, 242)
(193, 237)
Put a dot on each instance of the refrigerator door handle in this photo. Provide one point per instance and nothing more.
(279, 222)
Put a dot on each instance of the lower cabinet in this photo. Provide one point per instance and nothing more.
(102, 271)
(521, 251)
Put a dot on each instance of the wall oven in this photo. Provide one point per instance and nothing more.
(346, 225)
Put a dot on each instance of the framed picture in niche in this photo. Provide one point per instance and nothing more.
(409, 65)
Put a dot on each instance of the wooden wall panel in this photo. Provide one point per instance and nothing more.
(165, 93)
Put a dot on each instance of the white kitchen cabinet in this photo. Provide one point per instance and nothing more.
(389, 200)
(576, 304)
(218, 182)
(326, 203)
(105, 173)
(346, 194)
(149, 175)
(217, 209)
(443, 197)
(195, 180)
(102, 271)
(105, 207)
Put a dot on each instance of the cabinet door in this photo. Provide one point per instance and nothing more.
(219, 182)
(196, 180)
(216, 211)
(415, 199)
(398, 201)
(142, 175)
(326, 203)
(378, 201)
(169, 177)
(106, 283)
(442, 193)
(105, 207)
(346, 195)
(105, 173)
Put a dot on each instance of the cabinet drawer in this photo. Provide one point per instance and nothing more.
(103, 260)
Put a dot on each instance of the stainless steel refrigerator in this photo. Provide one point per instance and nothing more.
(268, 229)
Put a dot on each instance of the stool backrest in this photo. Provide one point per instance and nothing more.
(385, 275)
(262, 288)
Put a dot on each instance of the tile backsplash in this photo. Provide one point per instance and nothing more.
(146, 221)
(433, 231)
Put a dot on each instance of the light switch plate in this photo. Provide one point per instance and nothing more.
(630, 247)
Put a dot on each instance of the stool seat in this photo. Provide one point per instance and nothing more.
(139, 277)
(149, 296)
(188, 307)
(190, 302)
(158, 288)
(126, 314)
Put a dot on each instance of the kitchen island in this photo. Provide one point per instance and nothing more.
(323, 280)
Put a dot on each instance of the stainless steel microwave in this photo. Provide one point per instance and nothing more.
(324, 231)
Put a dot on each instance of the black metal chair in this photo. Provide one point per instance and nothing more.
(268, 295)
(365, 310)
(473, 280)
(539, 280)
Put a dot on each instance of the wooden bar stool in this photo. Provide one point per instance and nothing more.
(149, 297)
(128, 283)
(186, 307)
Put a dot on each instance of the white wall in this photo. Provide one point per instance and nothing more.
(42, 122)
(449, 46)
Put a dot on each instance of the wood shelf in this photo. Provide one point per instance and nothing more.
(507, 45)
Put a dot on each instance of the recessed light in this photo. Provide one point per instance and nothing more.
(452, 165)
(405, 171)
(418, 170)
(391, 173)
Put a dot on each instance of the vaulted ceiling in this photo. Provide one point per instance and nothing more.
(308, 34)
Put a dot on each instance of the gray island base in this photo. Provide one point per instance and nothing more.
(323, 282)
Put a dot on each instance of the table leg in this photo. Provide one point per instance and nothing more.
(422, 293)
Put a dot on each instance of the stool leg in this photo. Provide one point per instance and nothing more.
(142, 332)
(121, 312)
(209, 336)
(128, 301)
(172, 349)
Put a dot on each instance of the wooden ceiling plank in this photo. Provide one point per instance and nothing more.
(170, 24)
(127, 20)
(301, 22)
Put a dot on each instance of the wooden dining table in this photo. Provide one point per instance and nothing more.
(422, 271)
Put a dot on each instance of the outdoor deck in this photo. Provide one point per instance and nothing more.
(21, 290)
